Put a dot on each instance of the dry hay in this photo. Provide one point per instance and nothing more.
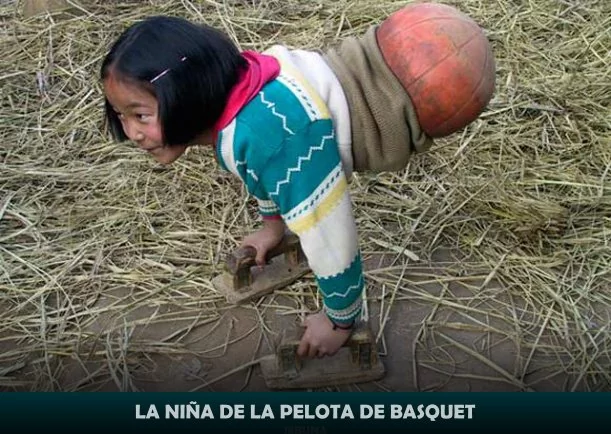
(501, 230)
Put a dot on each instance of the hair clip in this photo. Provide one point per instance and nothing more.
(164, 72)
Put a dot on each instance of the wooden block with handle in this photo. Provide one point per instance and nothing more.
(243, 281)
(356, 362)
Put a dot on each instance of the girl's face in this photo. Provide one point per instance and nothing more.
(137, 110)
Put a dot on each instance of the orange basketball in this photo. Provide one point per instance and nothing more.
(443, 60)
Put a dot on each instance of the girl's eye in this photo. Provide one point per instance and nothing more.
(142, 117)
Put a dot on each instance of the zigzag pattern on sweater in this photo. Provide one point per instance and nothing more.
(314, 199)
(344, 294)
(300, 160)
(272, 106)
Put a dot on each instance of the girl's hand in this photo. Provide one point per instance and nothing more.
(265, 239)
(319, 338)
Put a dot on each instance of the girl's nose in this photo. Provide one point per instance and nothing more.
(139, 138)
(133, 134)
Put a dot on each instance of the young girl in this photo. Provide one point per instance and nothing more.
(291, 124)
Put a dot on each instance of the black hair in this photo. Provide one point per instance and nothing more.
(202, 66)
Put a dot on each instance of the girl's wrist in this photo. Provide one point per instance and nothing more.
(277, 225)
(341, 326)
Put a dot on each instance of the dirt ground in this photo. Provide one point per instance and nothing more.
(222, 356)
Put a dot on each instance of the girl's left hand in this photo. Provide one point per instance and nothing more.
(319, 338)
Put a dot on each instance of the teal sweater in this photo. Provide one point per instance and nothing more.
(282, 146)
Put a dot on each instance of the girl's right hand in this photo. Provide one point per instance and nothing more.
(266, 238)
